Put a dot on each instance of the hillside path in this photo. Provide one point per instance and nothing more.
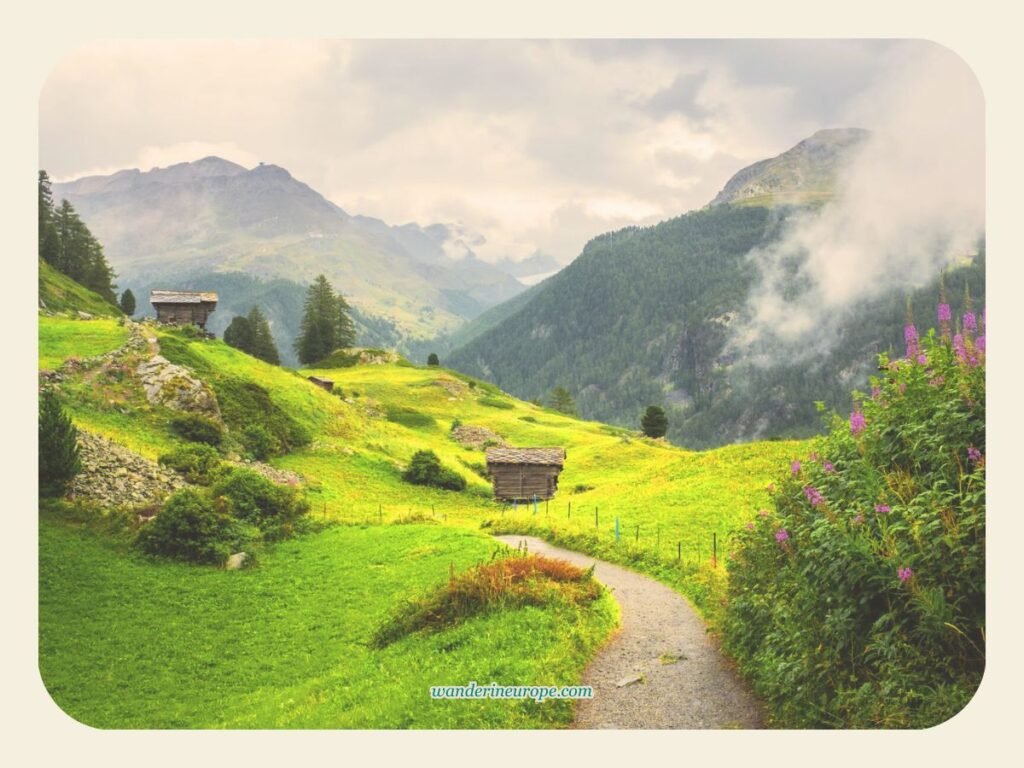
(696, 689)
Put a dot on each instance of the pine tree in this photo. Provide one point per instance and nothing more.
(561, 400)
(79, 255)
(49, 246)
(654, 421)
(326, 325)
(238, 334)
(59, 461)
(263, 345)
(128, 302)
(432, 359)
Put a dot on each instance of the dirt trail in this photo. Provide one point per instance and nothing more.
(683, 680)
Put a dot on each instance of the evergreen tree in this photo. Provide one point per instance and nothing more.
(128, 302)
(48, 243)
(326, 325)
(561, 400)
(432, 359)
(79, 255)
(238, 334)
(58, 446)
(345, 329)
(654, 422)
(263, 346)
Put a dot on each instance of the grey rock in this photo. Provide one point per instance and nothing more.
(236, 561)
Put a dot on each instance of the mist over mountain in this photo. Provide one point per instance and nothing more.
(738, 317)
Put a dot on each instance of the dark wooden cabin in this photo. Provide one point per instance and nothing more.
(181, 307)
(522, 474)
(323, 383)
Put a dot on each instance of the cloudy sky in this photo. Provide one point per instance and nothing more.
(533, 144)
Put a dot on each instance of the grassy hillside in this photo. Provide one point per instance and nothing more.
(287, 644)
(59, 293)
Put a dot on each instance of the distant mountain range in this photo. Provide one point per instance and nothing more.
(214, 216)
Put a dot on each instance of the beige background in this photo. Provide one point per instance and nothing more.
(36, 732)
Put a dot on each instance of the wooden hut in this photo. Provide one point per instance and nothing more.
(183, 306)
(522, 474)
(327, 384)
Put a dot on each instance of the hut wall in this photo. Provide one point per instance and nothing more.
(524, 481)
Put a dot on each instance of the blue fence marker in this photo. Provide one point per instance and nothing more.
(535, 503)
(616, 529)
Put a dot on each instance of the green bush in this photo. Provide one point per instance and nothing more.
(426, 469)
(249, 496)
(859, 601)
(198, 429)
(196, 462)
(258, 442)
(192, 527)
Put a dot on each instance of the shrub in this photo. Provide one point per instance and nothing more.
(654, 422)
(58, 446)
(860, 600)
(432, 359)
(251, 497)
(198, 429)
(192, 527)
(196, 462)
(409, 417)
(509, 582)
(258, 442)
(426, 469)
(245, 403)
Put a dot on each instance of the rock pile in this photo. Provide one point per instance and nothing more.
(117, 477)
(176, 388)
(476, 437)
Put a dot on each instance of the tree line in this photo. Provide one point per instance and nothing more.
(66, 244)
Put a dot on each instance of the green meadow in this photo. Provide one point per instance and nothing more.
(286, 643)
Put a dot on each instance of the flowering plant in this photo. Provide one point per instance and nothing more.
(872, 613)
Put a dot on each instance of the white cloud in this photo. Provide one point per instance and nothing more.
(536, 144)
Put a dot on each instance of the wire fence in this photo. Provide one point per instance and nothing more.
(681, 543)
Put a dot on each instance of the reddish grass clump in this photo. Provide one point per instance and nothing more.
(507, 582)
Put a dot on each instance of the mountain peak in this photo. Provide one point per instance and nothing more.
(802, 174)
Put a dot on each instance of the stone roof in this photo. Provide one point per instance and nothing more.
(181, 297)
(547, 456)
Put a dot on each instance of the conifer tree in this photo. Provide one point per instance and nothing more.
(263, 346)
(326, 325)
(432, 359)
(562, 401)
(238, 334)
(128, 302)
(654, 422)
(48, 243)
(59, 461)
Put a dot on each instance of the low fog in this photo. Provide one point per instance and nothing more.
(910, 202)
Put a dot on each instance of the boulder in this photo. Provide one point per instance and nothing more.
(236, 561)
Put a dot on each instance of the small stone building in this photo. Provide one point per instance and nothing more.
(182, 307)
(522, 474)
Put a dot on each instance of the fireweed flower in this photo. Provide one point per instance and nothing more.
(904, 574)
(974, 454)
(875, 392)
(781, 535)
(944, 314)
(750, 526)
(829, 467)
(960, 348)
(794, 468)
(938, 381)
(813, 456)
(922, 359)
(970, 322)
(858, 518)
(813, 495)
(883, 509)
(763, 513)
(979, 343)
(910, 336)
(857, 422)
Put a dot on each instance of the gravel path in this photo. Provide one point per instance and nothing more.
(682, 681)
